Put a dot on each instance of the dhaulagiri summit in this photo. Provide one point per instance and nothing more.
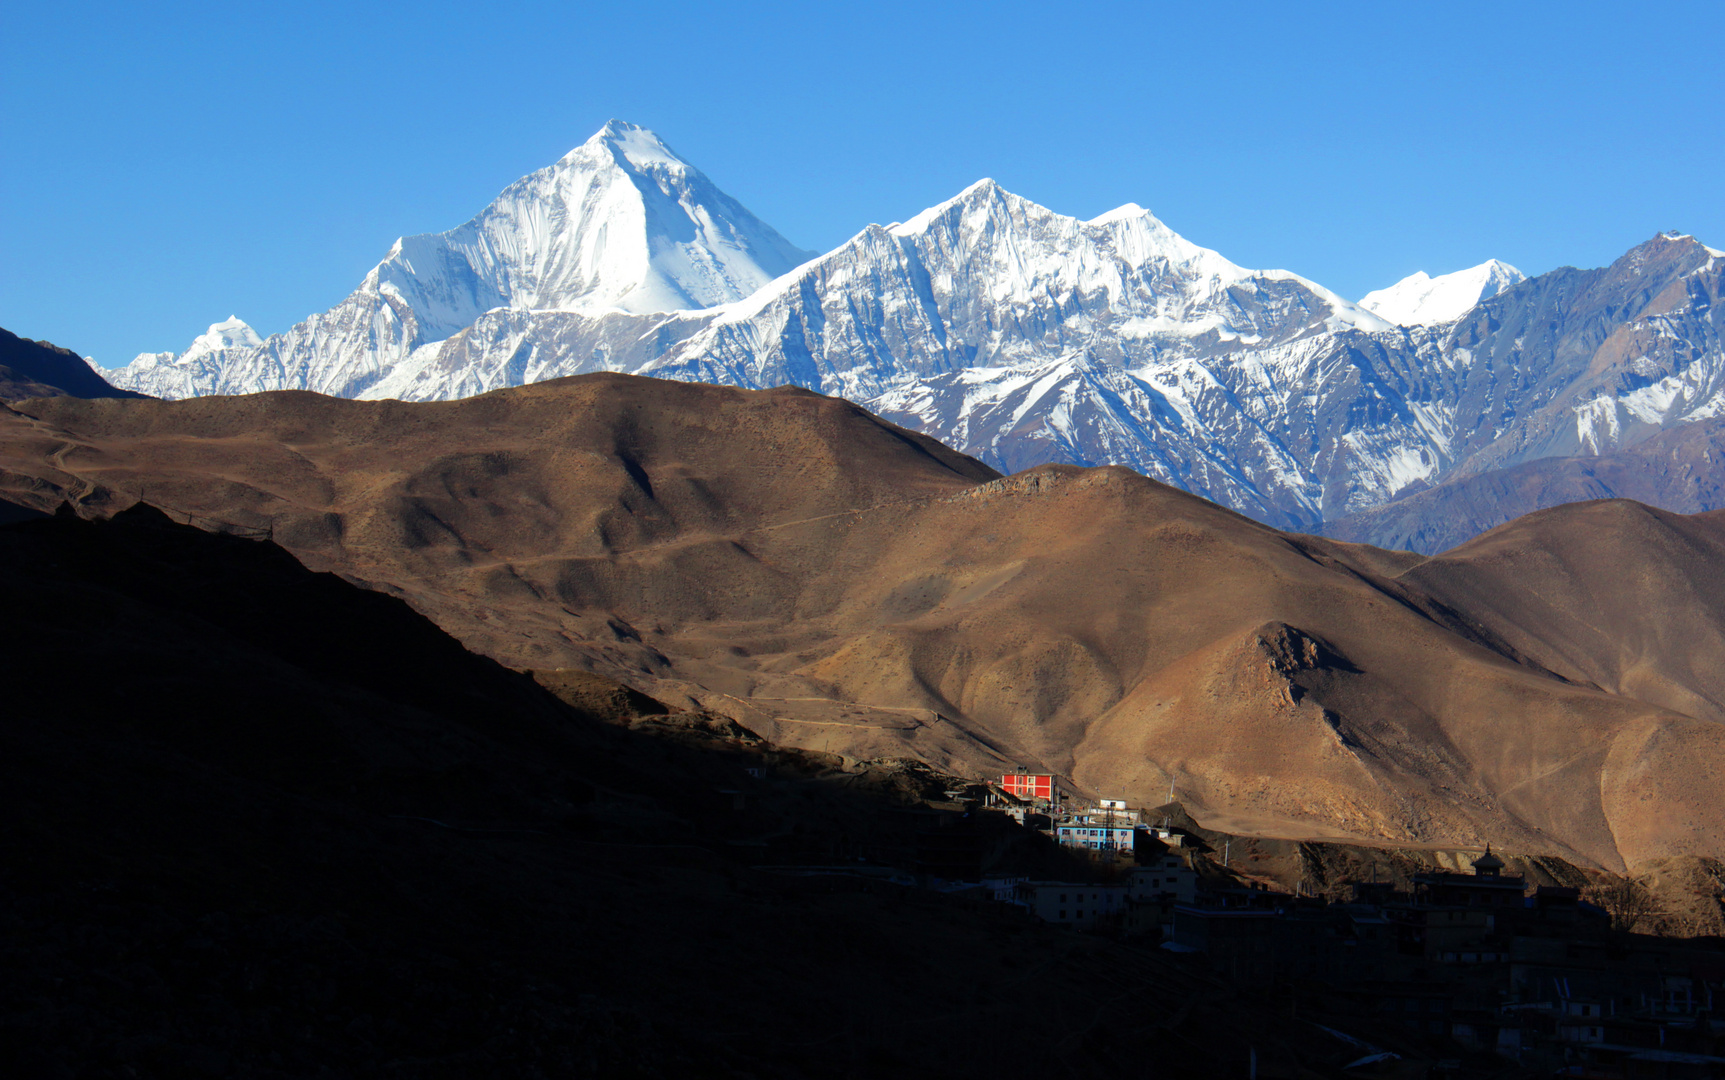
(618, 224)
(1021, 336)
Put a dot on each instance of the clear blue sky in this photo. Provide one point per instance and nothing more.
(164, 166)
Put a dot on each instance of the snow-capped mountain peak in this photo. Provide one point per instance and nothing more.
(209, 347)
(1119, 213)
(1422, 300)
(980, 193)
(634, 146)
(230, 333)
(621, 222)
(1029, 248)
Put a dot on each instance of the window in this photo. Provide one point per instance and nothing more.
(1063, 914)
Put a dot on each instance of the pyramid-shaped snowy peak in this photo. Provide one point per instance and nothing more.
(620, 222)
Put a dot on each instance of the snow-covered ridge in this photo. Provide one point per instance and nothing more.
(988, 278)
(230, 333)
(1012, 332)
(1420, 300)
(620, 223)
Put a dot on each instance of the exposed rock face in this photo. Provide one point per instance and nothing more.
(840, 584)
(1292, 651)
(1677, 469)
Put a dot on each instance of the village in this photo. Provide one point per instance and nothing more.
(1464, 966)
(1458, 960)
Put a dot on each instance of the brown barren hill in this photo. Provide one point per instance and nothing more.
(837, 583)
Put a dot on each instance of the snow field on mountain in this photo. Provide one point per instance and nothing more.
(1012, 332)
(1420, 300)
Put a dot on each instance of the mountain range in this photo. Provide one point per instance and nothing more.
(1018, 336)
(331, 729)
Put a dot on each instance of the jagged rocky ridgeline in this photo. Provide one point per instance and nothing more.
(1017, 335)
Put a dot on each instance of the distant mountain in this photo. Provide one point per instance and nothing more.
(1023, 337)
(620, 223)
(1019, 336)
(208, 349)
(1681, 468)
(37, 369)
(1419, 300)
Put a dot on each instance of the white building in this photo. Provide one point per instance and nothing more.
(1581, 1022)
(1066, 904)
(1165, 875)
(1096, 835)
(1110, 826)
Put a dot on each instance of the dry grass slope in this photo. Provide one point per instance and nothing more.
(839, 584)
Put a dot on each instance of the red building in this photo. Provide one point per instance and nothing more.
(1028, 785)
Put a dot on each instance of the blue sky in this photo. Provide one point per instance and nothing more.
(165, 166)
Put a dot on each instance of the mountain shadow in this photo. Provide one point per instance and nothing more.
(37, 369)
(263, 823)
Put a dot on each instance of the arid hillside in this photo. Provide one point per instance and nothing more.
(839, 584)
(263, 824)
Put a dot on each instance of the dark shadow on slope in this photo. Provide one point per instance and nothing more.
(37, 369)
(262, 823)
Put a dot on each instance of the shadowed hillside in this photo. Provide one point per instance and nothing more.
(835, 583)
(266, 824)
(37, 369)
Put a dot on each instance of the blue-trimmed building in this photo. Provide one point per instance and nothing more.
(1096, 835)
